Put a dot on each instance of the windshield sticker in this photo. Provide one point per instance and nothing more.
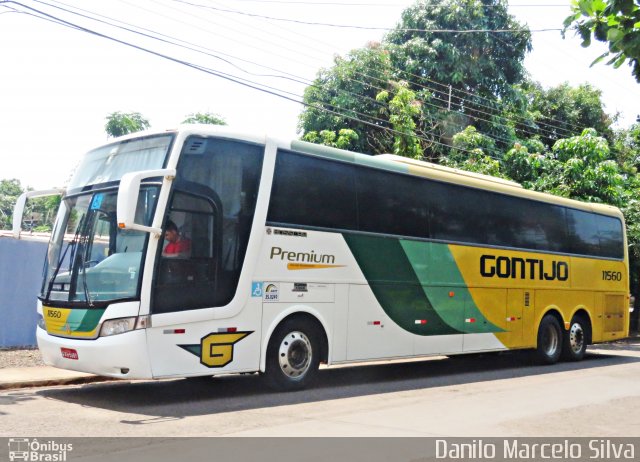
(97, 201)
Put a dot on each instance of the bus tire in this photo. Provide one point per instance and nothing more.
(549, 346)
(293, 355)
(574, 344)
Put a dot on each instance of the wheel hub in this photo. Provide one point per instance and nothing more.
(294, 354)
(576, 338)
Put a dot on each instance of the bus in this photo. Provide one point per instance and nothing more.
(294, 254)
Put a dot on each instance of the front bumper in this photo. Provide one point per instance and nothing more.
(123, 356)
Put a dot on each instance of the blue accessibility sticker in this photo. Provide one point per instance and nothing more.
(256, 289)
(97, 201)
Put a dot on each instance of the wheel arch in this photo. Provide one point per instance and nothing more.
(583, 312)
(304, 312)
(552, 310)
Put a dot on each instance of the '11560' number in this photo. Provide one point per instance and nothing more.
(611, 276)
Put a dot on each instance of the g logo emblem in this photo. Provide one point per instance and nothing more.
(217, 349)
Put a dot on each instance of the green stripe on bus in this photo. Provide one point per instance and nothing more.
(89, 320)
(444, 286)
(392, 279)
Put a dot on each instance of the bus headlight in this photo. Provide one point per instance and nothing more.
(41, 322)
(122, 325)
(117, 326)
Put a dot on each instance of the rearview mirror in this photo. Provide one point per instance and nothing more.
(128, 193)
(18, 210)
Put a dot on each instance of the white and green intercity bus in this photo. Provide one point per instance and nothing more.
(294, 254)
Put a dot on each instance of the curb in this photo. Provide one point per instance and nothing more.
(54, 382)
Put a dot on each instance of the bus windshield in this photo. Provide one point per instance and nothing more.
(109, 163)
(90, 260)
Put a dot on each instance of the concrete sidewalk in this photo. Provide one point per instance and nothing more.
(40, 376)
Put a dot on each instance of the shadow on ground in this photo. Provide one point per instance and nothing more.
(175, 399)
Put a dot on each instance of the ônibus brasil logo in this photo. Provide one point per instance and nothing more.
(33, 450)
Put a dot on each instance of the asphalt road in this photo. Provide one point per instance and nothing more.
(501, 395)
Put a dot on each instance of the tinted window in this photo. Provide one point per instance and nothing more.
(526, 224)
(390, 203)
(457, 213)
(316, 192)
(610, 233)
(311, 191)
(213, 204)
(583, 232)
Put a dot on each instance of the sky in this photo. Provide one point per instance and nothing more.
(58, 84)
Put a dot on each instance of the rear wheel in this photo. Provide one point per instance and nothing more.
(549, 340)
(574, 344)
(293, 355)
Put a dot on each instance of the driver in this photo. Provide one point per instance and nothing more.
(177, 246)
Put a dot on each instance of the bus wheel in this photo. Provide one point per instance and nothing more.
(293, 355)
(574, 343)
(549, 340)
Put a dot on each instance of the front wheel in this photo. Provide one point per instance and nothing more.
(293, 355)
(549, 340)
(574, 345)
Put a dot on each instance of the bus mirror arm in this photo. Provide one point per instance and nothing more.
(18, 210)
(128, 193)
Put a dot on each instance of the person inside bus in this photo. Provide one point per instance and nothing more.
(177, 246)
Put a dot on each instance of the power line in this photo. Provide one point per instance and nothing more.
(249, 82)
(48, 17)
(475, 117)
(303, 81)
(539, 123)
(385, 5)
(475, 104)
(352, 26)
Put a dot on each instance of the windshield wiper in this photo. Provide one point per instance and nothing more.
(71, 243)
(83, 263)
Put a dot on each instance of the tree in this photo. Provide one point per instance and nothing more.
(204, 118)
(344, 139)
(531, 168)
(120, 123)
(580, 167)
(478, 65)
(403, 109)
(9, 192)
(344, 97)
(559, 111)
(616, 22)
(627, 147)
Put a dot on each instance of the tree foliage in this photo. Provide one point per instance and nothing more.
(397, 85)
(616, 22)
(403, 110)
(39, 212)
(9, 192)
(344, 97)
(561, 110)
(208, 118)
(344, 139)
(121, 123)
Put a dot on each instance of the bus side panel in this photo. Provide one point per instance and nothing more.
(183, 344)
(482, 333)
(615, 316)
(372, 333)
(565, 302)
